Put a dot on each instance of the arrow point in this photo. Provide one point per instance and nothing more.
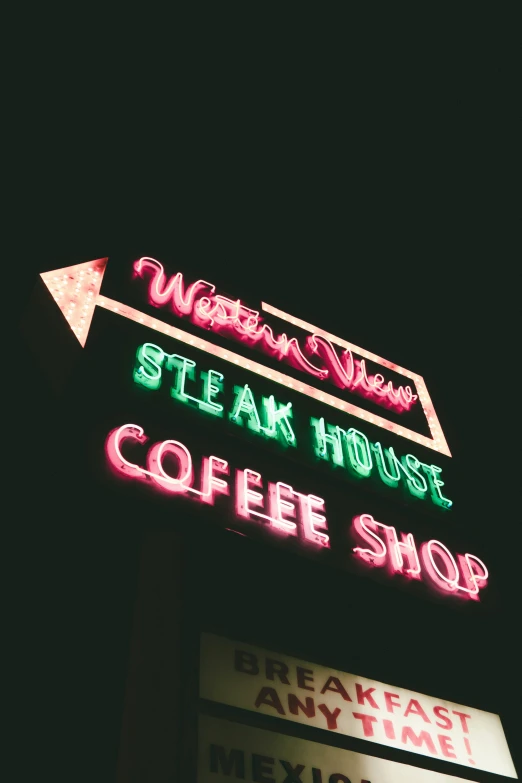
(75, 290)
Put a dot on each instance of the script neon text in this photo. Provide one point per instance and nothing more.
(200, 302)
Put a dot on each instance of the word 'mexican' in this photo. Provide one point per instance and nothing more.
(285, 510)
(235, 762)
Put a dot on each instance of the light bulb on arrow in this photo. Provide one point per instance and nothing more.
(75, 290)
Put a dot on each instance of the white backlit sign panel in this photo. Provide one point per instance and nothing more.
(228, 751)
(253, 679)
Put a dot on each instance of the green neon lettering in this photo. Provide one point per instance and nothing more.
(416, 482)
(149, 361)
(278, 416)
(245, 406)
(407, 466)
(432, 471)
(184, 367)
(381, 456)
(212, 385)
(359, 453)
(328, 439)
(327, 442)
(324, 438)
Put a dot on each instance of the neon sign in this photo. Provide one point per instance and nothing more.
(151, 361)
(349, 448)
(435, 565)
(352, 450)
(214, 311)
(76, 290)
(287, 511)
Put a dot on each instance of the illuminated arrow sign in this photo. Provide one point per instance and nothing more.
(77, 291)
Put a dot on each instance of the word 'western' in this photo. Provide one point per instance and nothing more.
(204, 307)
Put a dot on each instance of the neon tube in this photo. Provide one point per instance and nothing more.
(76, 291)
(266, 372)
(213, 311)
(438, 441)
(390, 552)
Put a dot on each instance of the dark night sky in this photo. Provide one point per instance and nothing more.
(381, 208)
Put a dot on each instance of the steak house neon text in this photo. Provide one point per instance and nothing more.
(265, 416)
(289, 512)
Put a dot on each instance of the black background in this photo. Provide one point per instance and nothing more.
(391, 172)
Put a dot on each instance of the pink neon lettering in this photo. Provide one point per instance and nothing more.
(161, 291)
(214, 311)
(247, 497)
(281, 509)
(363, 525)
(341, 372)
(202, 312)
(402, 550)
(311, 520)
(113, 448)
(350, 374)
(211, 484)
(436, 565)
(407, 549)
(468, 565)
(446, 581)
(281, 496)
(155, 457)
(169, 465)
